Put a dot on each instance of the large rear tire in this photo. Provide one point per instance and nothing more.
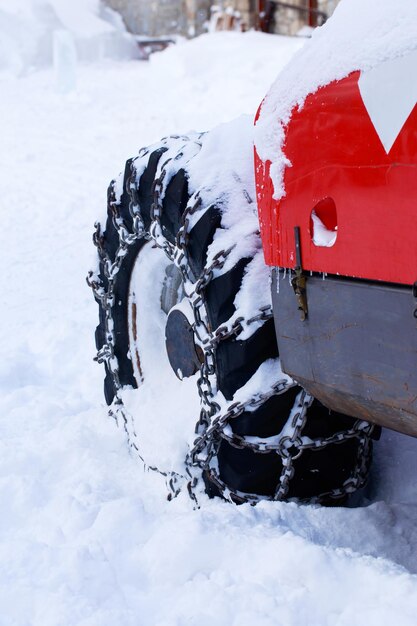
(260, 436)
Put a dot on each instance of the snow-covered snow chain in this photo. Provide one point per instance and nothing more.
(213, 424)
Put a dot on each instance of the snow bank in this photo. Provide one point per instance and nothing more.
(227, 73)
(28, 29)
(358, 36)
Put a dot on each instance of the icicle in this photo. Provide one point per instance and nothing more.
(65, 61)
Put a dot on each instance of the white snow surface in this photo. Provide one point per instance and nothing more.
(360, 35)
(87, 537)
(321, 235)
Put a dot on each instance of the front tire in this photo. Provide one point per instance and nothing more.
(259, 435)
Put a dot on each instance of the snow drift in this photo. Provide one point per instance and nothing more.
(28, 29)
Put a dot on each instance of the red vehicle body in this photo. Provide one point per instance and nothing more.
(355, 345)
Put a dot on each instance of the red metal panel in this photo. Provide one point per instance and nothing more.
(336, 153)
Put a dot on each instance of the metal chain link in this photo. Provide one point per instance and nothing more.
(214, 422)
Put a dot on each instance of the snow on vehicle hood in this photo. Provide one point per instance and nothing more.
(359, 36)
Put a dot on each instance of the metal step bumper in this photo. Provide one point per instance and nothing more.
(356, 349)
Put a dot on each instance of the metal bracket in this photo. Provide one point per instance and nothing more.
(415, 300)
(300, 280)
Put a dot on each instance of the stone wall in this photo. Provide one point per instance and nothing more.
(247, 10)
(155, 18)
(291, 21)
(283, 20)
(328, 5)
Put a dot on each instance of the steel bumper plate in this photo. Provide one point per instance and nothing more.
(357, 349)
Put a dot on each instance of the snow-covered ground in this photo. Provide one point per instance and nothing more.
(87, 537)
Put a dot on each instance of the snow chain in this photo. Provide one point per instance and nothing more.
(213, 424)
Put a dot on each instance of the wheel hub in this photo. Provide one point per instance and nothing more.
(184, 355)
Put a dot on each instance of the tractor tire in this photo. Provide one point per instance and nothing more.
(327, 457)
